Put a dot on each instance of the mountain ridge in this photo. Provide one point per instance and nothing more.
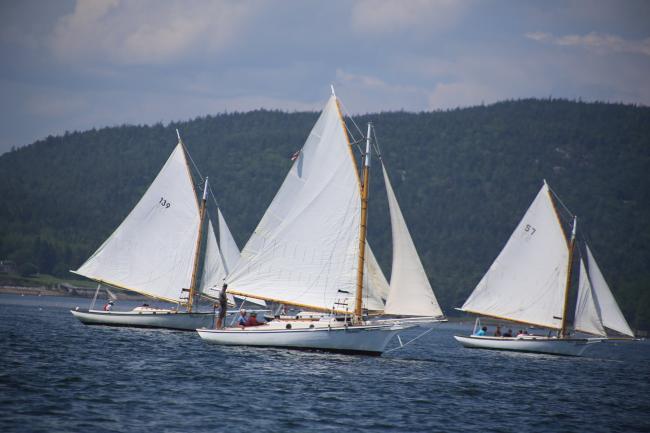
(463, 177)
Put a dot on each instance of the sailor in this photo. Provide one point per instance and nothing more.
(109, 306)
(242, 319)
(252, 321)
(481, 332)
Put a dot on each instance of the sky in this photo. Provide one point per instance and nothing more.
(73, 65)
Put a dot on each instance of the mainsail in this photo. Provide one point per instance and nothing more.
(410, 290)
(152, 251)
(526, 282)
(610, 313)
(305, 249)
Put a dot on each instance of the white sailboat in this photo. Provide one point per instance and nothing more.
(156, 252)
(529, 283)
(310, 251)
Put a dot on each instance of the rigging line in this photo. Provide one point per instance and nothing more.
(410, 341)
(351, 119)
(375, 144)
(187, 152)
(560, 201)
(354, 141)
(214, 198)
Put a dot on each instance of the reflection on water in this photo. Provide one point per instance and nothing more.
(59, 375)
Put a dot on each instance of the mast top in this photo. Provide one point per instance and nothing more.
(333, 92)
(368, 146)
(575, 224)
(178, 134)
(205, 189)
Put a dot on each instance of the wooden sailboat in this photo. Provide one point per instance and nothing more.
(156, 251)
(310, 251)
(529, 283)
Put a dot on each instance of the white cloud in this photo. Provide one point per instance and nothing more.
(367, 93)
(601, 43)
(388, 16)
(147, 31)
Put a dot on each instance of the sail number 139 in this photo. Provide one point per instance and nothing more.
(164, 203)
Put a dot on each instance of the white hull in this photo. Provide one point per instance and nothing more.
(146, 319)
(553, 346)
(369, 339)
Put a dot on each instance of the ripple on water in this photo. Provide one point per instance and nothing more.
(57, 375)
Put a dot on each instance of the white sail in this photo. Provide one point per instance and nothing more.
(152, 251)
(587, 316)
(376, 285)
(610, 313)
(229, 250)
(527, 280)
(215, 267)
(214, 271)
(410, 291)
(305, 249)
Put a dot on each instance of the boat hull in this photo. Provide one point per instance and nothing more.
(553, 346)
(368, 340)
(145, 319)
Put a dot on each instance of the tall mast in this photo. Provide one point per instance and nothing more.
(362, 230)
(197, 253)
(565, 309)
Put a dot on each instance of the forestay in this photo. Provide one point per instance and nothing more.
(410, 291)
(587, 316)
(152, 251)
(305, 249)
(527, 280)
(610, 313)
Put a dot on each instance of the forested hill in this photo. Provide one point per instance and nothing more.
(463, 177)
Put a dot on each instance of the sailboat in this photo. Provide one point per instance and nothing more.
(309, 251)
(529, 284)
(156, 251)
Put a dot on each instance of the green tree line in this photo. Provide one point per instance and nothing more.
(463, 177)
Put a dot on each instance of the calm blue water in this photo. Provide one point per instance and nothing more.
(57, 375)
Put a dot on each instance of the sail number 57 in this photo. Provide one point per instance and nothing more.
(164, 203)
(530, 229)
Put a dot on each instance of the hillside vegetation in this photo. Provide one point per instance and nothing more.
(463, 178)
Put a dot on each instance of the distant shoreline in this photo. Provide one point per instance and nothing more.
(63, 290)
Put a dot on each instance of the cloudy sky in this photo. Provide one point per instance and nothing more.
(74, 65)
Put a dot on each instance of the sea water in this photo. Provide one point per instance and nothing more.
(57, 375)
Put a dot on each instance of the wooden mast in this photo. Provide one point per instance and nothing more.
(197, 253)
(565, 309)
(363, 228)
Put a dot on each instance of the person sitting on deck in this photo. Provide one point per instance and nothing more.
(497, 333)
(242, 320)
(252, 321)
(508, 334)
(481, 332)
(109, 306)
